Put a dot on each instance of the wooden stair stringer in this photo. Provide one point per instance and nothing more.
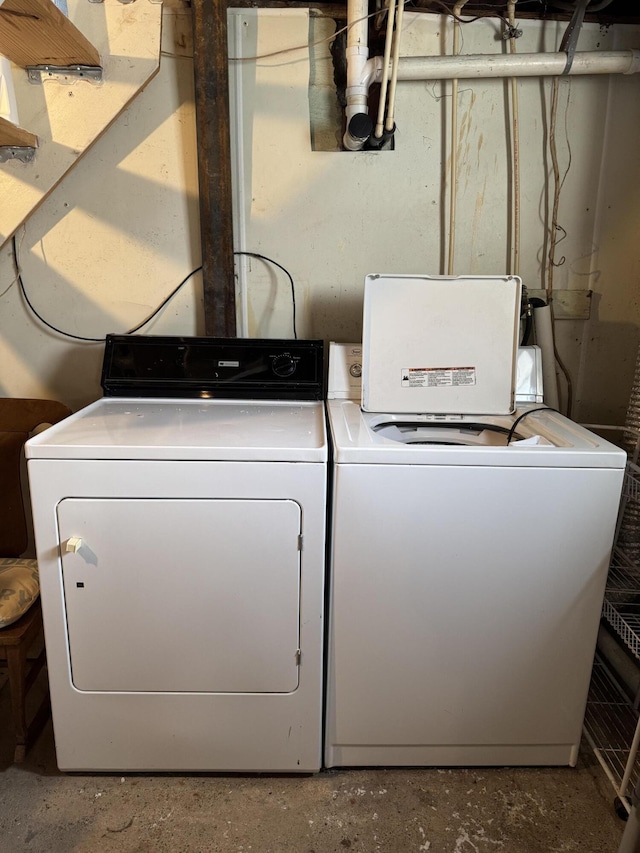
(68, 118)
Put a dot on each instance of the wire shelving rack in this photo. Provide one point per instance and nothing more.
(612, 721)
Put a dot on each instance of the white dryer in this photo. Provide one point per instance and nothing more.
(468, 560)
(179, 526)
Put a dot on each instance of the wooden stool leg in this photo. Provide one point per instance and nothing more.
(16, 660)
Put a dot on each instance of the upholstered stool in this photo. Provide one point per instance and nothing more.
(20, 628)
(20, 611)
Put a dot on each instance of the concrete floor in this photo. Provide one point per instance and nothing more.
(361, 811)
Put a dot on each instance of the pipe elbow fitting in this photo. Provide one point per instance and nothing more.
(358, 131)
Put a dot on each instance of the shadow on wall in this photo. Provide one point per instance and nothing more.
(84, 363)
(608, 367)
(335, 316)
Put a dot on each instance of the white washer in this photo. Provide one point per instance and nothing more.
(466, 582)
(181, 552)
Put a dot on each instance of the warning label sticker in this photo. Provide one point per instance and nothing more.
(437, 377)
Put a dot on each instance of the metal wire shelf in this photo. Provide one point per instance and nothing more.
(611, 728)
(612, 721)
(623, 615)
(624, 575)
(631, 486)
(621, 607)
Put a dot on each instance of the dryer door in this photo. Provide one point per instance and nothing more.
(182, 595)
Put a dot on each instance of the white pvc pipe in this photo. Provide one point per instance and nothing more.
(390, 120)
(391, 12)
(453, 157)
(515, 152)
(512, 65)
(358, 70)
(544, 338)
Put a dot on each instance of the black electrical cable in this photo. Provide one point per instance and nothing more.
(439, 443)
(164, 301)
(82, 337)
(287, 273)
(525, 415)
(16, 267)
(157, 310)
(528, 327)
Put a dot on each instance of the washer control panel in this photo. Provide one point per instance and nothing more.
(345, 372)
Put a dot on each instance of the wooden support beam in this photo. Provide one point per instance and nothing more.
(214, 165)
(35, 32)
(13, 136)
(214, 155)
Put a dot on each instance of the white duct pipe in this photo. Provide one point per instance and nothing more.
(512, 65)
(543, 325)
(359, 71)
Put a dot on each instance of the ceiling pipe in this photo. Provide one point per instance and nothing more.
(362, 71)
(512, 65)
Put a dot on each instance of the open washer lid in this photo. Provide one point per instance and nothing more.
(440, 343)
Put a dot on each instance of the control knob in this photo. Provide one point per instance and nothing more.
(283, 365)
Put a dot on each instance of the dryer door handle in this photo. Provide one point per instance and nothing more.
(73, 545)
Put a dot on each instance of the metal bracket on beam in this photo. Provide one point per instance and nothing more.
(570, 38)
(64, 73)
(17, 152)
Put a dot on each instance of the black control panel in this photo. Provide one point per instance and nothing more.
(222, 368)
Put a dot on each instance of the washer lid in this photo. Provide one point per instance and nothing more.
(236, 430)
(547, 439)
(440, 343)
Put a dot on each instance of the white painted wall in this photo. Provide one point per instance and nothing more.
(123, 228)
(116, 236)
(333, 217)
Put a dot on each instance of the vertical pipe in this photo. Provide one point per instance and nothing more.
(544, 338)
(391, 11)
(357, 23)
(515, 267)
(236, 92)
(390, 120)
(357, 55)
(454, 141)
